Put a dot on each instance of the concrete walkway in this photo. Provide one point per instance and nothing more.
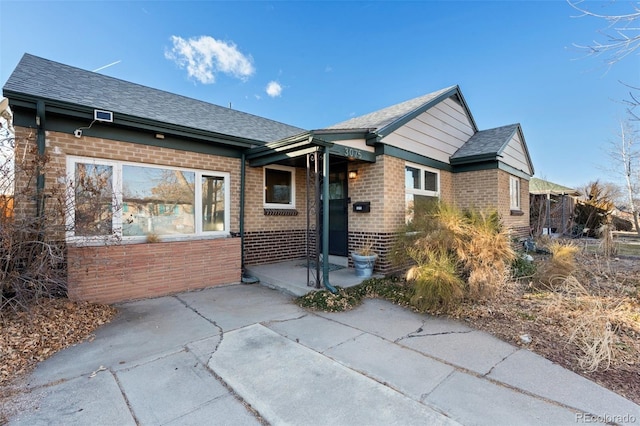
(245, 354)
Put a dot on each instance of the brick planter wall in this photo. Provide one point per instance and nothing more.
(108, 274)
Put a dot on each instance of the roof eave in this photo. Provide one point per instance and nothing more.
(120, 119)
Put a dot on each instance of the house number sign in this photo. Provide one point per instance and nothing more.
(352, 152)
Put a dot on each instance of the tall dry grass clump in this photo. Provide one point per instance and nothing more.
(455, 254)
(560, 266)
(593, 322)
(437, 283)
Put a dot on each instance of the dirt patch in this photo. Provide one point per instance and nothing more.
(544, 321)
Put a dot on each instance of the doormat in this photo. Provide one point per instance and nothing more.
(312, 265)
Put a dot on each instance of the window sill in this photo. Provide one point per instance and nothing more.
(280, 212)
(517, 213)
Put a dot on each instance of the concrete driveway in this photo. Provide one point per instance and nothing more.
(245, 354)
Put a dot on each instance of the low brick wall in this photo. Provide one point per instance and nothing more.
(108, 274)
(274, 246)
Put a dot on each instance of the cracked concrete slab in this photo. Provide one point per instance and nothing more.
(475, 401)
(314, 332)
(241, 305)
(522, 370)
(403, 369)
(81, 401)
(142, 329)
(379, 317)
(476, 351)
(191, 386)
(290, 384)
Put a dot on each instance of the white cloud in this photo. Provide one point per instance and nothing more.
(204, 57)
(274, 89)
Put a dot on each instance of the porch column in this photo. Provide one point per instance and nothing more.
(325, 222)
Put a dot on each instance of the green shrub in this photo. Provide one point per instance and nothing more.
(522, 268)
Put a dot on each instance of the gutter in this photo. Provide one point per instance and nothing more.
(41, 141)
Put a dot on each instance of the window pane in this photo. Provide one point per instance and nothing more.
(94, 199)
(158, 201)
(277, 186)
(430, 181)
(412, 178)
(212, 203)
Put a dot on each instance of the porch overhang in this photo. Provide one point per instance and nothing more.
(300, 145)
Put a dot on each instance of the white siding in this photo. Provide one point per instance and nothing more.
(436, 133)
(515, 156)
(357, 144)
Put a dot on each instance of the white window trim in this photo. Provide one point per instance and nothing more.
(291, 205)
(117, 201)
(514, 182)
(422, 191)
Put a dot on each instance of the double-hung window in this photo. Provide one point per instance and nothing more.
(279, 187)
(132, 200)
(422, 186)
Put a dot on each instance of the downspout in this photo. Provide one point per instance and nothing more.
(41, 141)
(245, 278)
(325, 223)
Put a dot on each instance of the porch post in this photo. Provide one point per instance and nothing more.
(325, 222)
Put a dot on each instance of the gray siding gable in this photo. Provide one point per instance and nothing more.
(388, 119)
(490, 145)
(38, 78)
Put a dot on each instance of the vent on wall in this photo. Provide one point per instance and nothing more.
(100, 115)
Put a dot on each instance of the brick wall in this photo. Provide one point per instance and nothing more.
(129, 271)
(108, 274)
(489, 189)
(269, 246)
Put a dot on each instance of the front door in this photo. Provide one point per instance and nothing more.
(338, 210)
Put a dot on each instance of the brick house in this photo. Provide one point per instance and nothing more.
(221, 189)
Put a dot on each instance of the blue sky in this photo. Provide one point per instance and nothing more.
(313, 64)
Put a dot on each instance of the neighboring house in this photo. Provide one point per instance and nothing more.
(552, 207)
(222, 189)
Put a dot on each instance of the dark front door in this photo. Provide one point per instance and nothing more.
(338, 213)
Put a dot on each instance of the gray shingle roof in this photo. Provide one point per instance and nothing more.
(379, 119)
(486, 142)
(49, 80)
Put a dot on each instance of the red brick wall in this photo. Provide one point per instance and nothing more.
(108, 274)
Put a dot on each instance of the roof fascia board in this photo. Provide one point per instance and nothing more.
(392, 151)
(491, 165)
(275, 157)
(473, 159)
(391, 127)
(287, 145)
(124, 134)
(77, 111)
(526, 149)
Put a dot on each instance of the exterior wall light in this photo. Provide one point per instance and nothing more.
(353, 174)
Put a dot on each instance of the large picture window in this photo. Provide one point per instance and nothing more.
(279, 187)
(130, 200)
(422, 187)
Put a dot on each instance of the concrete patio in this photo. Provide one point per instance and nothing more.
(291, 276)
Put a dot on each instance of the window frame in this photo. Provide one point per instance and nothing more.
(514, 193)
(292, 202)
(117, 202)
(422, 191)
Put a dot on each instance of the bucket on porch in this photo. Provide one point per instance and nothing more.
(364, 264)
